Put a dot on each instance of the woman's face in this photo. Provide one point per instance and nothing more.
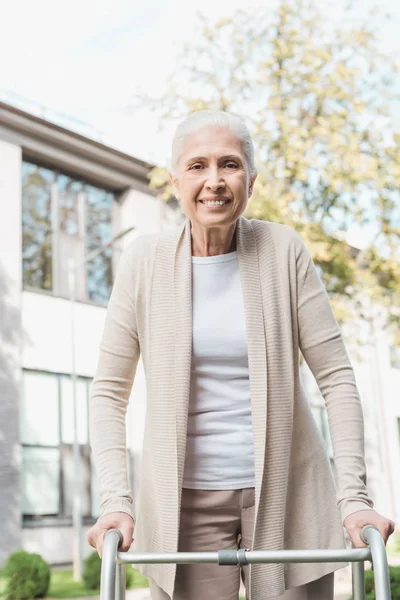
(212, 180)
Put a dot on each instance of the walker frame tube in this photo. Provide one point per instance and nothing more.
(113, 571)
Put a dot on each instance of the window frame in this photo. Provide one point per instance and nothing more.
(62, 517)
(54, 193)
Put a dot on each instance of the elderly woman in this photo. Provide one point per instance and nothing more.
(219, 310)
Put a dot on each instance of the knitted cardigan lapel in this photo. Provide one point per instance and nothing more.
(271, 379)
(272, 392)
(256, 348)
(182, 341)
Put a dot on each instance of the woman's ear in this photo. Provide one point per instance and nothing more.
(251, 184)
(174, 183)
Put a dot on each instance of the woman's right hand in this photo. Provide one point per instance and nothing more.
(116, 520)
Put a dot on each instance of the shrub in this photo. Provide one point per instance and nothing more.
(28, 576)
(394, 575)
(92, 572)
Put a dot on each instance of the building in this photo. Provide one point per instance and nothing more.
(63, 195)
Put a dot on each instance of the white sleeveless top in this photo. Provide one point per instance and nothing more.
(219, 452)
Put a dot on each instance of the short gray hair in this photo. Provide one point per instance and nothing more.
(212, 118)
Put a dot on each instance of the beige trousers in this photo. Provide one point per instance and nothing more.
(223, 520)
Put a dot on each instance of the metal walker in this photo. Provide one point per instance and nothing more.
(113, 571)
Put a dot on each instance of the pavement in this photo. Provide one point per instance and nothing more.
(144, 594)
(342, 588)
(138, 594)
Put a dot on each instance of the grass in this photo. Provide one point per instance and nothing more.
(2, 583)
(62, 585)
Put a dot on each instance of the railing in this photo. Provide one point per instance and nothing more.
(113, 572)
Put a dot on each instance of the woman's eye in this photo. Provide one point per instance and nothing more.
(196, 167)
(231, 165)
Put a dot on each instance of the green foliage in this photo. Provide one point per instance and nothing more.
(394, 575)
(369, 583)
(318, 100)
(28, 576)
(92, 572)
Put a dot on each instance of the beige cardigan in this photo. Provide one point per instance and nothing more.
(286, 310)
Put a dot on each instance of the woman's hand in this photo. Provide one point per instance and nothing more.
(356, 521)
(116, 520)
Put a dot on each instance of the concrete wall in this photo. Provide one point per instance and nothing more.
(146, 213)
(10, 344)
(53, 543)
(47, 341)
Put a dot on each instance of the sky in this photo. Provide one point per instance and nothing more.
(86, 59)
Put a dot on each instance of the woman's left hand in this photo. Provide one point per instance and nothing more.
(357, 520)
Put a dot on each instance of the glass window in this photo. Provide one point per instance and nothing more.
(86, 480)
(47, 434)
(68, 480)
(67, 411)
(36, 226)
(40, 481)
(68, 204)
(65, 218)
(98, 233)
(95, 494)
(39, 410)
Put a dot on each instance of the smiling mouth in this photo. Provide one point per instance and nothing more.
(219, 202)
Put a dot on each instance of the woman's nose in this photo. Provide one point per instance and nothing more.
(215, 181)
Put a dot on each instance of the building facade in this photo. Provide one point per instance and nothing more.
(62, 197)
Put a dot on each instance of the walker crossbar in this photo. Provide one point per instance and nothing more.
(232, 557)
(113, 571)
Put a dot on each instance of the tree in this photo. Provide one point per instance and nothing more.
(318, 100)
